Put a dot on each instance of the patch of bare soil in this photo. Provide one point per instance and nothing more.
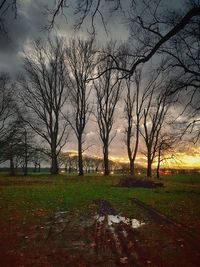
(104, 207)
(104, 239)
(175, 240)
(134, 182)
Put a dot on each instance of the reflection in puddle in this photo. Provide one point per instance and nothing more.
(115, 219)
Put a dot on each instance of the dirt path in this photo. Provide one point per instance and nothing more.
(104, 239)
(159, 242)
(159, 218)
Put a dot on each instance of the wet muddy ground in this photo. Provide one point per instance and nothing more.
(103, 238)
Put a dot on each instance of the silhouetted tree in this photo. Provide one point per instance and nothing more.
(27, 142)
(80, 56)
(165, 149)
(154, 115)
(5, 7)
(7, 105)
(134, 102)
(45, 91)
(152, 26)
(107, 89)
(37, 157)
(11, 146)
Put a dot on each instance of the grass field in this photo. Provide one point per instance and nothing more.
(30, 201)
(179, 198)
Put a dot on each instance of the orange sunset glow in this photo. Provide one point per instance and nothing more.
(180, 160)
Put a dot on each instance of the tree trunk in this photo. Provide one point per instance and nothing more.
(106, 161)
(54, 163)
(70, 169)
(158, 171)
(132, 167)
(80, 158)
(54, 158)
(149, 163)
(12, 167)
(158, 166)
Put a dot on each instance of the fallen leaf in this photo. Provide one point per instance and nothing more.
(124, 260)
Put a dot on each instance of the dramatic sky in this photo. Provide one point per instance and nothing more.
(29, 25)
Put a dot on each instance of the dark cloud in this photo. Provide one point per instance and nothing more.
(29, 25)
(31, 22)
(26, 27)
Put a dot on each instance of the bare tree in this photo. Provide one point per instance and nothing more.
(88, 162)
(7, 105)
(153, 28)
(5, 7)
(11, 146)
(133, 116)
(107, 89)
(154, 115)
(165, 149)
(14, 135)
(68, 160)
(82, 10)
(27, 142)
(37, 157)
(80, 56)
(45, 93)
(184, 60)
(137, 95)
(181, 51)
(148, 18)
(182, 48)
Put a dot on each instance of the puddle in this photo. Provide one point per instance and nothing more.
(116, 219)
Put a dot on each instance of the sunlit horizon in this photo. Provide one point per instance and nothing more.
(180, 160)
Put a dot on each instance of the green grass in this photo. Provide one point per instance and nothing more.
(191, 178)
(27, 196)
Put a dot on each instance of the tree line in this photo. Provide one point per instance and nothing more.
(52, 98)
